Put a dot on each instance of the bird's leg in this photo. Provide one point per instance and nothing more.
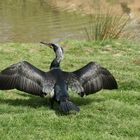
(51, 103)
(81, 94)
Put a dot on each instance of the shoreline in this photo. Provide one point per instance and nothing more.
(127, 7)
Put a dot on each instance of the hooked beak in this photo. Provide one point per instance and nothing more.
(47, 44)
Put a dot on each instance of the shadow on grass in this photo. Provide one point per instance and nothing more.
(37, 102)
(85, 101)
(33, 102)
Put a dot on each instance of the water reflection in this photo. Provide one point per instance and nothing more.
(35, 20)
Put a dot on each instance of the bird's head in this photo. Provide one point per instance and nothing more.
(56, 47)
(58, 52)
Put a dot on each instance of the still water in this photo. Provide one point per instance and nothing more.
(37, 20)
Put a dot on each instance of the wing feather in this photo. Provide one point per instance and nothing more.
(24, 77)
(93, 78)
(73, 82)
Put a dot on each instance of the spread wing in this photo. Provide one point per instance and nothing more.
(73, 82)
(93, 78)
(24, 77)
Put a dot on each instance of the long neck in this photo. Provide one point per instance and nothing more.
(58, 57)
(56, 62)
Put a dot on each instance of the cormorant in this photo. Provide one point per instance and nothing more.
(55, 83)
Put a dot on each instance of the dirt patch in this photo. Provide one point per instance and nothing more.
(132, 8)
(84, 6)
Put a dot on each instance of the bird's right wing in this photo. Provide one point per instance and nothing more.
(24, 77)
(93, 78)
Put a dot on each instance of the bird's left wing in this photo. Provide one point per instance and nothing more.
(93, 78)
(73, 82)
(24, 77)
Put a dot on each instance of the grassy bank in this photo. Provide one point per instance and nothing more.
(107, 115)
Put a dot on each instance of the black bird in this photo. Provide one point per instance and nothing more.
(55, 83)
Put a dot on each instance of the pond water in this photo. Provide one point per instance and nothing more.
(37, 20)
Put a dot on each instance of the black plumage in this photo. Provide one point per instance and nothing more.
(93, 78)
(55, 83)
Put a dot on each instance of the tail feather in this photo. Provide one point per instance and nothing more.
(67, 106)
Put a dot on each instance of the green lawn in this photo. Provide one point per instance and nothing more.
(107, 115)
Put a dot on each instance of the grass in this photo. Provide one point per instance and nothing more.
(107, 25)
(107, 115)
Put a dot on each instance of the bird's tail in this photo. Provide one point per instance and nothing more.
(67, 106)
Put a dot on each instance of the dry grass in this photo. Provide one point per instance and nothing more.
(106, 26)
